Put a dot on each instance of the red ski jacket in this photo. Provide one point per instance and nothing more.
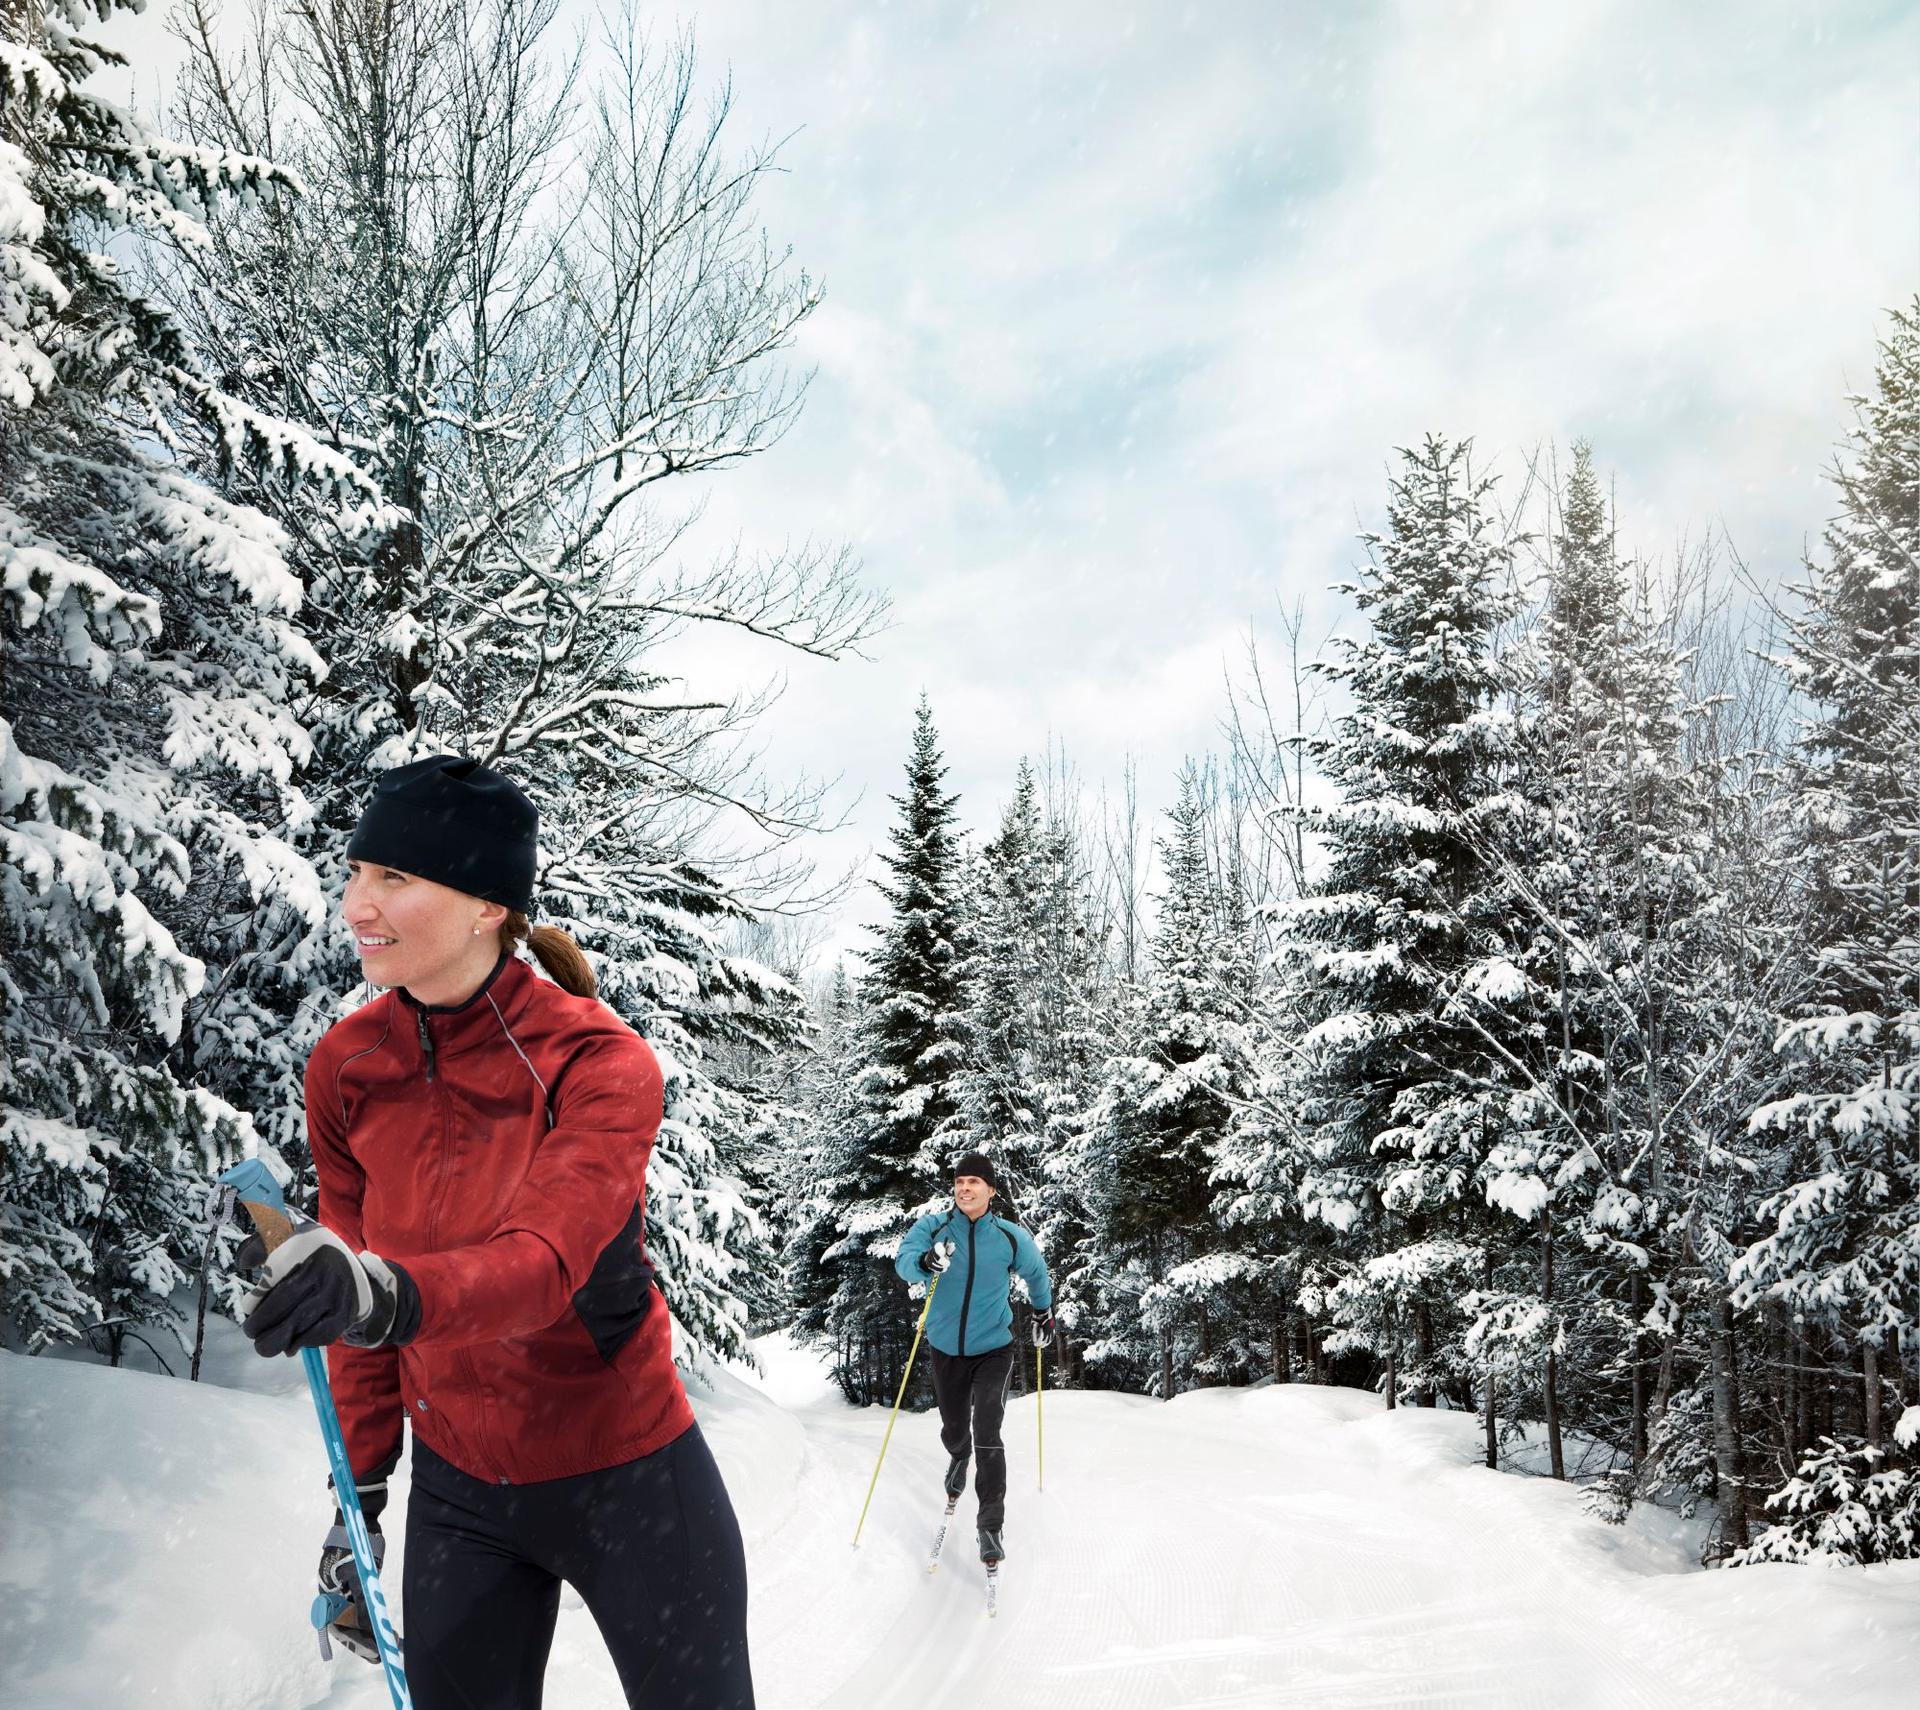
(496, 1152)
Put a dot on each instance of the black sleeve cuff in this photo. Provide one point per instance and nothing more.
(406, 1308)
(371, 1488)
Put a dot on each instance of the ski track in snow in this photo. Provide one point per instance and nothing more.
(1285, 1547)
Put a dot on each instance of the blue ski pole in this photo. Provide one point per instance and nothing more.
(254, 1187)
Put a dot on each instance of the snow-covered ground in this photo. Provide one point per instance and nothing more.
(1277, 1547)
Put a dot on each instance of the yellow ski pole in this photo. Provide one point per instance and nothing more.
(895, 1414)
(1040, 1410)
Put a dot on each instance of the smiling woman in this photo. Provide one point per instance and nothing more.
(481, 1137)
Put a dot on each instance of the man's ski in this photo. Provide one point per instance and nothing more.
(940, 1537)
(993, 1589)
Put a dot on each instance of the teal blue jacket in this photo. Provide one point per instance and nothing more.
(971, 1313)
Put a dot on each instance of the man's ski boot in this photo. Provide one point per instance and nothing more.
(957, 1475)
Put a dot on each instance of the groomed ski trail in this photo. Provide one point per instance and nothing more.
(1283, 1547)
(1287, 1548)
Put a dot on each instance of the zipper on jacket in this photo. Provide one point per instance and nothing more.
(966, 1295)
(426, 1039)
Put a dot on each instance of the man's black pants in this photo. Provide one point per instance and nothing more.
(652, 1547)
(972, 1392)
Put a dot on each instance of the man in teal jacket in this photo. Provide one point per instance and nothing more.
(975, 1253)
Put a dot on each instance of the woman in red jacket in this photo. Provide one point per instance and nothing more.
(481, 1135)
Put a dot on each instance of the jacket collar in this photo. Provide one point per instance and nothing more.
(458, 1026)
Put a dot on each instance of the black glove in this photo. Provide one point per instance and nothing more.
(935, 1259)
(1042, 1328)
(339, 1576)
(314, 1289)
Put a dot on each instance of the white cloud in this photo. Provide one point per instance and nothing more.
(1126, 311)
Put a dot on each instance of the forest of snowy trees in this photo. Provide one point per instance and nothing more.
(337, 416)
(1525, 1017)
(1520, 1014)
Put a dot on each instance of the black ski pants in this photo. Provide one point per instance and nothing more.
(652, 1547)
(972, 1392)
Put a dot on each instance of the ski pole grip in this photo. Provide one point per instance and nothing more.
(252, 1184)
(270, 1223)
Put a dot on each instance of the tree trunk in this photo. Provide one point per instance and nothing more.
(1803, 1393)
(1393, 1364)
(1282, 1361)
(1830, 1357)
(1493, 1435)
(1728, 1460)
(1423, 1326)
(1166, 1365)
(200, 1309)
(1551, 1390)
(1638, 1301)
(1870, 1383)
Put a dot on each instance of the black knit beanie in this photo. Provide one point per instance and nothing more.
(456, 822)
(976, 1164)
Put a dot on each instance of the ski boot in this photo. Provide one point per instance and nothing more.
(957, 1475)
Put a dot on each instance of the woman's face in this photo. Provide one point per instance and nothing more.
(411, 932)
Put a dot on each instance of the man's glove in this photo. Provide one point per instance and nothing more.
(1042, 1328)
(339, 1576)
(936, 1258)
(314, 1289)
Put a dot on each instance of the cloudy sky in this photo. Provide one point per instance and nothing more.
(1127, 307)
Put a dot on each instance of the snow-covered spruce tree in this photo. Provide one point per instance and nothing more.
(1169, 1095)
(1268, 1250)
(1843, 1250)
(775, 1082)
(1070, 1035)
(1229, 1284)
(1000, 1102)
(828, 1142)
(148, 756)
(1584, 854)
(1273, 1256)
(892, 1165)
(1404, 1095)
(520, 393)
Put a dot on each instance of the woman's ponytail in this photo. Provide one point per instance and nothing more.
(565, 962)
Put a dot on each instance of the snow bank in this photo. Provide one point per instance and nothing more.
(1286, 1546)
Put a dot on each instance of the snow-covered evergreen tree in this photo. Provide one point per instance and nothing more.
(1406, 938)
(829, 1143)
(1171, 1090)
(519, 396)
(1000, 1099)
(891, 1163)
(1843, 1249)
(149, 750)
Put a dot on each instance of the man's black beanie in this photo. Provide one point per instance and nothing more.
(976, 1164)
(456, 822)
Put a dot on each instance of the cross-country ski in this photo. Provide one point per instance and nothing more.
(940, 1537)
